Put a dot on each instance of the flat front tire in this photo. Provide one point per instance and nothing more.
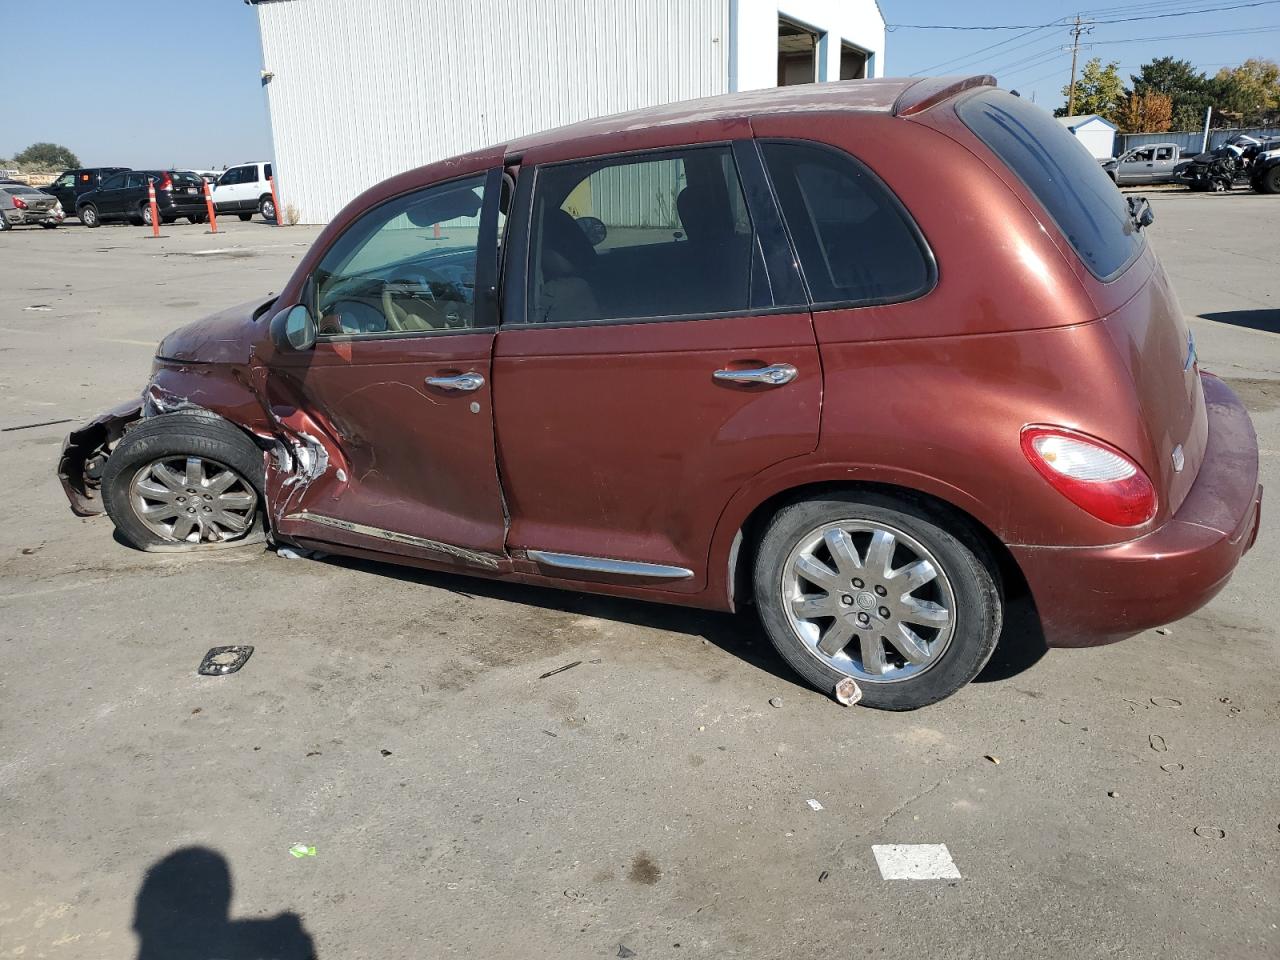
(185, 481)
(890, 592)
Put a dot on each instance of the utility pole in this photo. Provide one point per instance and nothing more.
(1079, 27)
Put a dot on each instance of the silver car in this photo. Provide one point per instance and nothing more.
(22, 204)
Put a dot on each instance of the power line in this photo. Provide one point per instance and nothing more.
(964, 58)
(1037, 26)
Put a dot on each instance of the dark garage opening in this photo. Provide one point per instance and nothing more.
(853, 63)
(797, 54)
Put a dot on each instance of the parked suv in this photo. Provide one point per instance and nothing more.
(244, 189)
(725, 353)
(124, 196)
(71, 185)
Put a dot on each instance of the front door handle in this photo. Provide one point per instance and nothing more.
(463, 381)
(774, 375)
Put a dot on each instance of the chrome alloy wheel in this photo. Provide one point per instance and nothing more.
(868, 600)
(192, 500)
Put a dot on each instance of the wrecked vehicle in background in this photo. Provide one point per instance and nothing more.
(802, 384)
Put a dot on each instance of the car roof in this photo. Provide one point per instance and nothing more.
(884, 95)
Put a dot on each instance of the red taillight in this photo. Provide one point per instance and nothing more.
(166, 183)
(19, 203)
(1093, 475)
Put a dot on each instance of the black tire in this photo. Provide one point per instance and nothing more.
(1269, 182)
(245, 217)
(144, 212)
(168, 219)
(968, 567)
(89, 216)
(198, 218)
(187, 433)
(49, 226)
(5, 225)
(267, 207)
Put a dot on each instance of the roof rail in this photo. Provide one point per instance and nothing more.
(931, 91)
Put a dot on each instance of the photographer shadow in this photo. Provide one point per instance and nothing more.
(183, 913)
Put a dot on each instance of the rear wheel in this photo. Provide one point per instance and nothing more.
(1269, 182)
(267, 207)
(89, 215)
(5, 225)
(145, 213)
(198, 218)
(184, 481)
(245, 217)
(897, 596)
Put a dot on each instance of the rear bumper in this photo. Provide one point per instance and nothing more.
(1093, 595)
(34, 216)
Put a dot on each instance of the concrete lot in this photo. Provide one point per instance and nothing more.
(650, 797)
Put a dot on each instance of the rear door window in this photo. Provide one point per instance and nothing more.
(856, 243)
(1059, 171)
(643, 236)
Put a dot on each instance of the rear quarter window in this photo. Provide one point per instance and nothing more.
(1068, 182)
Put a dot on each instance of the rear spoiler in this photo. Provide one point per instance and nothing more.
(931, 91)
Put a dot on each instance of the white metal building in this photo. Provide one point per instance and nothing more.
(1096, 134)
(359, 90)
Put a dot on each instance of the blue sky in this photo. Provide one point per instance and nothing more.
(192, 97)
(1032, 61)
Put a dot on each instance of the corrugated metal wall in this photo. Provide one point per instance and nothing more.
(362, 91)
(1189, 141)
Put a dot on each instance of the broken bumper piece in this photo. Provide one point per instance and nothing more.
(85, 452)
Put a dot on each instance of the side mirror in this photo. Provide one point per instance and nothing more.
(593, 229)
(1140, 212)
(293, 329)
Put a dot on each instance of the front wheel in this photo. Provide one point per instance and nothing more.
(184, 481)
(267, 207)
(198, 217)
(89, 216)
(899, 597)
(5, 225)
(1269, 182)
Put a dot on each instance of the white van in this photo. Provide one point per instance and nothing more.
(244, 189)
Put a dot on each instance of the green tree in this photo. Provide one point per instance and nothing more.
(1188, 89)
(1251, 90)
(1099, 90)
(46, 156)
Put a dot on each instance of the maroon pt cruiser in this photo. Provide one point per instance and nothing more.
(872, 356)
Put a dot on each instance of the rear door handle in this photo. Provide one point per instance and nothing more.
(774, 375)
(463, 381)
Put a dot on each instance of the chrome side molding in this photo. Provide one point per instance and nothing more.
(486, 560)
(621, 568)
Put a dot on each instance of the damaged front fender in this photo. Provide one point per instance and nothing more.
(85, 452)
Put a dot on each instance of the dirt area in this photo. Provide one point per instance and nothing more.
(392, 775)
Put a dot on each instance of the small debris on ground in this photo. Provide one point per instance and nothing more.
(550, 734)
(220, 661)
(814, 805)
(1113, 794)
(1165, 702)
(292, 553)
(1210, 833)
(39, 307)
(28, 551)
(385, 752)
(32, 426)
(300, 850)
(574, 895)
(196, 710)
(567, 666)
(625, 952)
(1171, 767)
(848, 692)
(823, 876)
(995, 760)
(1163, 631)
(1157, 743)
(775, 701)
